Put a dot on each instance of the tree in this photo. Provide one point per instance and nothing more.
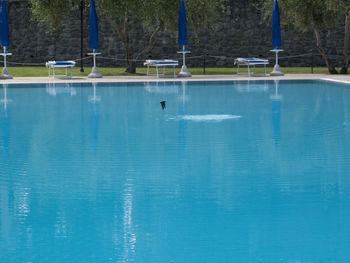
(152, 15)
(342, 7)
(306, 15)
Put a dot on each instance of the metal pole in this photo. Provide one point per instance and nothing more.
(4, 57)
(94, 58)
(183, 56)
(81, 34)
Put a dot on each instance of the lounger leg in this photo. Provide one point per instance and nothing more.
(157, 71)
(265, 70)
(248, 71)
(54, 74)
(148, 70)
(174, 71)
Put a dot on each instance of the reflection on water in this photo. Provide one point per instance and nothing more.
(5, 119)
(94, 98)
(209, 117)
(104, 176)
(60, 225)
(276, 102)
(94, 109)
(251, 86)
(129, 237)
(183, 99)
(161, 87)
(55, 89)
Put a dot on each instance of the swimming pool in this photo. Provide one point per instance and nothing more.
(236, 171)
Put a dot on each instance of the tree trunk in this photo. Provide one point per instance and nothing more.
(344, 69)
(123, 34)
(130, 62)
(330, 67)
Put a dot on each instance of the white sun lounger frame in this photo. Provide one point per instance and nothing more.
(161, 63)
(67, 64)
(251, 62)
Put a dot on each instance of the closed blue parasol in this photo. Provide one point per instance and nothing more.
(93, 40)
(182, 37)
(4, 38)
(276, 38)
(4, 27)
(93, 28)
(276, 30)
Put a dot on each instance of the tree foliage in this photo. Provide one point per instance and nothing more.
(302, 14)
(342, 7)
(152, 15)
(50, 12)
(313, 15)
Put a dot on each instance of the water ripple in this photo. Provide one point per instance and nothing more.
(208, 117)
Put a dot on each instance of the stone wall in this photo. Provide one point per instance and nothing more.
(240, 32)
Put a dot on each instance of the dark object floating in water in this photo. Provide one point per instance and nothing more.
(163, 104)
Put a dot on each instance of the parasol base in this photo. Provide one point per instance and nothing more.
(184, 72)
(5, 74)
(94, 73)
(276, 71)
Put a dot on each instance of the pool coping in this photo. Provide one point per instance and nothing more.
(32, 80)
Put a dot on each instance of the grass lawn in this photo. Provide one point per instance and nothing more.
(111, 71)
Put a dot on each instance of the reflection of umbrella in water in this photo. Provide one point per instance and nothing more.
(5, 100)
(5, 120)
(182, 111)
(276, 103)
(183, 98)
(94, 115)
(94, 98)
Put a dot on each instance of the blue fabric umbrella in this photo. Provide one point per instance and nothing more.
(93, 28)
(276, 30)
(182, 37)
(4, 27)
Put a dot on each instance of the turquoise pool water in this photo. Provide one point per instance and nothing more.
(253, 171)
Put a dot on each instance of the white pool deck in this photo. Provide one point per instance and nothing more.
(28, 80)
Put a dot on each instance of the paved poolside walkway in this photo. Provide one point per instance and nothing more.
(342, 78)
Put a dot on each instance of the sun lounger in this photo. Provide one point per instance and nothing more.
(251, 62)
(161, 63)
(60, 64)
